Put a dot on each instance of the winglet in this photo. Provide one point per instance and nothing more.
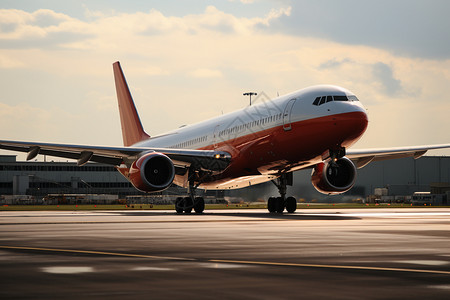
(132, 130)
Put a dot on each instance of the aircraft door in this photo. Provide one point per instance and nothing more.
(287, 115)
(216, 136)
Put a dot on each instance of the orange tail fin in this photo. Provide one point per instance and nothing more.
(132, 130)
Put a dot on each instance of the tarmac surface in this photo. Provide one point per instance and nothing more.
(226, 254)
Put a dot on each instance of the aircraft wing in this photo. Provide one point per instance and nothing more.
(205, 159)
(363, 157)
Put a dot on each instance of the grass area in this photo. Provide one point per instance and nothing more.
(208, 206)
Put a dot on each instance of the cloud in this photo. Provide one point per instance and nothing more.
(212, 19)
(383, 74)
(9, 63)
(43, 28)
(65, 65)
(403, 27)
(40, 23)
(47, 18)
(14, 117)
(205, 73)
(243, 1)
(334, 63)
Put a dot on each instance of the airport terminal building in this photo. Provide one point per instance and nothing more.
(42, 178)
(387, 181)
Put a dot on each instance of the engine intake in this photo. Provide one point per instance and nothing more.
(152, 172)
(334, 178)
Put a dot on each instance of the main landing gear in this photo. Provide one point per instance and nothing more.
(278, 204)
(186, 204)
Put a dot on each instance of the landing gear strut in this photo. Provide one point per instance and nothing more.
(186, 204)
(278, 204)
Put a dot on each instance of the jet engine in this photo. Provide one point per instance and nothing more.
(334, 177)
(152, 172)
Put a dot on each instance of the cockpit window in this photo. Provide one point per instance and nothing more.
(322, 101)
(340, 98)
(325, 99)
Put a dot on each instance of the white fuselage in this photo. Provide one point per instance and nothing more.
(287, 132)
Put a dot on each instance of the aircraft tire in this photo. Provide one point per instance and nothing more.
(199, 205)
(188, 205)
(291, 204)
(271, 205)
(179, 204)
(279, 204)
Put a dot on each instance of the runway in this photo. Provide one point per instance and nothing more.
(232, 254)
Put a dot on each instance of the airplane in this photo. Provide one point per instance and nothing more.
(310, 128)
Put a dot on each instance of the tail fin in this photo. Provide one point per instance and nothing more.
(132, 130)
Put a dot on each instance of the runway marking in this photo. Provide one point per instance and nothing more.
(424, 262)
(386, 214)
(226, 261)
(151, 222)
(365, 268)
(440, 287)
(151, 269)
(95, 252)
(67, 270)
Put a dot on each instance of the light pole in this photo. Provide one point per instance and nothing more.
(250, 94)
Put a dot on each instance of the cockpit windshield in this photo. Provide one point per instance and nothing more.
(352, 98)
(325, 99)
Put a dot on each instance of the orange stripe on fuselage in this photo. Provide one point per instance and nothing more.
(276, 149)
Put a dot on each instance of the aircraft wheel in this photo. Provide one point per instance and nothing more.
(279, 206)
(179, 205)
(291, 204)
(271, 204)
(199, 205)
(188, 204)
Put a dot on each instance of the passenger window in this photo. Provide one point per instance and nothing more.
(316, 102)
(322, 101)
(329, 99)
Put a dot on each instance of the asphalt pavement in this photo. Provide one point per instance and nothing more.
(226, 254)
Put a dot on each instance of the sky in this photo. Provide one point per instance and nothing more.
(187, 61)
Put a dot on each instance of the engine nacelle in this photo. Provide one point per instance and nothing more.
(334, 178)
(152, 172)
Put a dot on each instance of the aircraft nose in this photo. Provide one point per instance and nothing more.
(352, 126)
(360, 121)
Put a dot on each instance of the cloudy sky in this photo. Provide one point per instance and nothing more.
(186, 61)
